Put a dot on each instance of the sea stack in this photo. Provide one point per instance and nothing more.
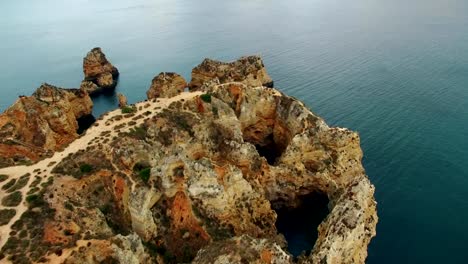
(99, 74)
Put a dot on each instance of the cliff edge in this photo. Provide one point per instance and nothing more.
(196, 177)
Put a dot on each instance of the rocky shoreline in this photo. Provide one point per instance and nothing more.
(182, 177)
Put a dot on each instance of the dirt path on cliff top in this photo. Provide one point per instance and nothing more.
(107, 122)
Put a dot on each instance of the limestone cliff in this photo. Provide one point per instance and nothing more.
(195, 177)
(99, 73)
(44, 122)
(249, 70)
(166, 84)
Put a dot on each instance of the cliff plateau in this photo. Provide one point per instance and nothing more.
(191, 178)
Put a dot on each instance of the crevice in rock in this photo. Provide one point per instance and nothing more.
(84, 123)
(270, 149)
(299, 223)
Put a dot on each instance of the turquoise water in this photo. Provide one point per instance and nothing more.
(396, 71)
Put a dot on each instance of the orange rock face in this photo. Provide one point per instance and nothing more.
(166, 84)
(99, 71)
(42, 123)
(247, 70)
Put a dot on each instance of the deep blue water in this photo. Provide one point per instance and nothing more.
(396, 71)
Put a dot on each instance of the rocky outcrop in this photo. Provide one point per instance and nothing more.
(99, 73)
(166, 84)
(122, 100)
(42, 123)
(197, 177)
(248, 70)
(243, 249)
(90, 87)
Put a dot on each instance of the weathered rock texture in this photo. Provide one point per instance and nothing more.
(99, 73)
(41, 123)
(248, 70)
(188, 182)
(243, 249)
(166, 84)
(122, 100)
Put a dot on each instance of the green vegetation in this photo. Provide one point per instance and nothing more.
(3, 177)
(86, 168)
(35, 200)
(9, 184)
(6, 215)
(36, 182)
(206, 97)
(145, 174)
(215, 111)
(128, 109)
(143, 170)
(69, 206)
(27, 232)
(32, 198)
(12, 200)
(23, 180)
(138, 132)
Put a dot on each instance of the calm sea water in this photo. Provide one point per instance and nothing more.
(396, 71)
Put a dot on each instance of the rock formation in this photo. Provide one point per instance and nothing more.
(36, 125)
(195, 177)
(248, 70)
(122, 100)
(99, 73)
(166, 84)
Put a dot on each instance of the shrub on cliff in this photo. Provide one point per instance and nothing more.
(128, 109)
(145, 174)
(206, 97)
(86, 168)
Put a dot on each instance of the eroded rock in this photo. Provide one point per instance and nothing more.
(199, 180)
(166, 84)
(248, 70)
(243, 249)
(98, 71)
(44, 122)
(122, 100)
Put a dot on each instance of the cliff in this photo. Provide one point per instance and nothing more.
(34, 126)
(195, 177)
(249, 70)
(166, 84)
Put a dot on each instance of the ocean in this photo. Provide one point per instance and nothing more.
(395, 71)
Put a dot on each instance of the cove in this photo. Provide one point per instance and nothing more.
(299, 224)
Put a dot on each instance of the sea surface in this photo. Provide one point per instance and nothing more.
(395, 71)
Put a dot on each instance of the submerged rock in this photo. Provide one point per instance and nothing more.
(166, 84)
(98, 71)
(248, 70)
(39, 124)
(197, 177)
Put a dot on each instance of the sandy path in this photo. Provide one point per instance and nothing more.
(81, 143)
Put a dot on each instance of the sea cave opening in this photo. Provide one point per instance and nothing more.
(299, 224)
(84, 123)
(270, 149)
